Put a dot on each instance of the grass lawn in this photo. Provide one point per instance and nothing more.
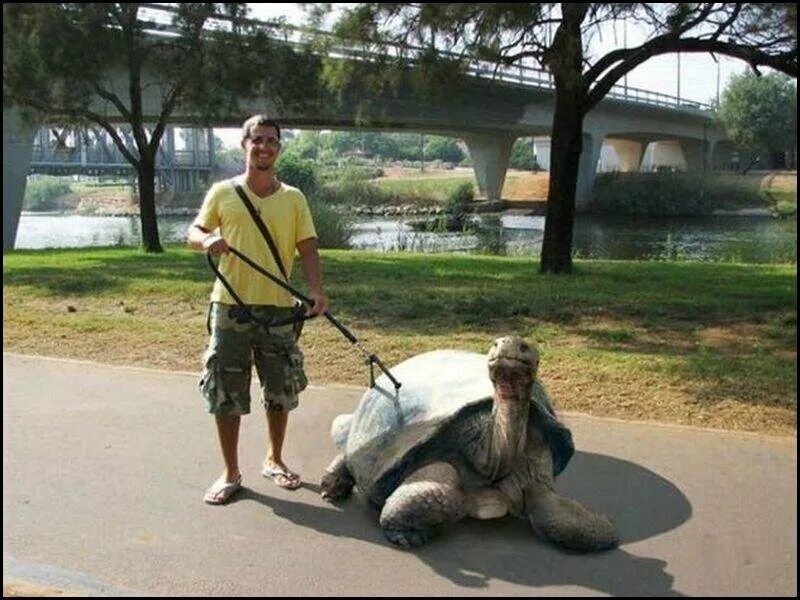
(694, 343)
(781, 188)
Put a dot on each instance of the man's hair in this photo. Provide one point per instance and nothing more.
(258, 121)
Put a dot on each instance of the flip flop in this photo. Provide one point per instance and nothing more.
(282, 477)
(221, 490)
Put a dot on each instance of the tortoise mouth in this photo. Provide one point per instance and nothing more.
(511, 369)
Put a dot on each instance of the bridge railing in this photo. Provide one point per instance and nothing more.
(99, 156)
(159, 17)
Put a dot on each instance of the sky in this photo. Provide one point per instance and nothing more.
(698, 72)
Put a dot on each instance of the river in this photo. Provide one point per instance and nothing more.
(755, 239)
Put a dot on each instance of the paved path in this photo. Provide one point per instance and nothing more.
(104, 469)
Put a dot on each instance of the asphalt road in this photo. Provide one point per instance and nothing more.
(104, 469)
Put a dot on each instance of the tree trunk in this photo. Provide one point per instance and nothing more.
(147, 204)
(565, 61)
(565, 151)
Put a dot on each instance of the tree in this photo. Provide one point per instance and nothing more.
(522, 156)
(508, 33)
(760, 113)
(60, 62)
(443, 148)
(305, 145)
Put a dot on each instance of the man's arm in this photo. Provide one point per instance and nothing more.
(200, 238)
(312, 271)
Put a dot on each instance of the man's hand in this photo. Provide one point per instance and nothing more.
(215, 244)
(320, 304)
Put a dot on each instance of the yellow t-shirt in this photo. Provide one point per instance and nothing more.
(286, 215)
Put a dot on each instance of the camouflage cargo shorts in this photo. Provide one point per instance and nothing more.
(235, 344)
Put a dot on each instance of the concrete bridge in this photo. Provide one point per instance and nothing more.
(497, 105)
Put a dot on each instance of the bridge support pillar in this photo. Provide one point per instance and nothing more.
(17, 151)
(696, 153)
(587, 171)
(629, 153)
(490, 155)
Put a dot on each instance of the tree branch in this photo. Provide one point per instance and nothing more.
(785, 62)
(114, 99)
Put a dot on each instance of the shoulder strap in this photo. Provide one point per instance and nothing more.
(262, 228)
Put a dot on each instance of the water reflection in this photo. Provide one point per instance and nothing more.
(387, 234)
(744, 239)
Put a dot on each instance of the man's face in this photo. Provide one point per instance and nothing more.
(262, 147)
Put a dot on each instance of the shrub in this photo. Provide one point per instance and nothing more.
(44, 193)
(460, 199)
(297, 172)
(457, 209)
(443, 148)
(352, 186)
(665, 193)
(489, 231)
(334, 229)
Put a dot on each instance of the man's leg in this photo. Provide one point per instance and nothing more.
(277, 423)
(279, 364)
(225, 385)
(231, 479)
(228, 431)
(274, 467)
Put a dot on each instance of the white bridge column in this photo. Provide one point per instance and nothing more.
(629, 153)
(490, 155)
(18, 139)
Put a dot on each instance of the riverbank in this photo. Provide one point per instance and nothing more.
(425, 193)
(691, 343)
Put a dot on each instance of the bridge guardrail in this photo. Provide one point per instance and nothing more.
(517, 74)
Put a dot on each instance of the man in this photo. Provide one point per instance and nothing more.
(236, 343)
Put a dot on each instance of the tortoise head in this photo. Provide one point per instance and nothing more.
(513, 362)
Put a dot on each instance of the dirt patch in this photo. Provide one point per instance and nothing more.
(396, 172)
(523, 185)
(783, 181)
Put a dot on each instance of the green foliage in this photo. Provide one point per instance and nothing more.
(760, 113)
(45, 193)
(297, 172)
(786, 209)
(423, 190)
(456, 209)
(460, 199)
(58, 61)
(672, 194)
(388, 146)
(443, 148)
(522, 156)
(352, 187)
(334, 229)
(489, 231)
(305, 145)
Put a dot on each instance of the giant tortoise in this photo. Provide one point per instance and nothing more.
(454, 442)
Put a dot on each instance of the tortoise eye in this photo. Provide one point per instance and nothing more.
(524, 347)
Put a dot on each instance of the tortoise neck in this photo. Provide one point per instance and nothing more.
(509, 426)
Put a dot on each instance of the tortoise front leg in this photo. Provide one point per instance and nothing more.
(337, 482)
(566, 522)
(429, 497)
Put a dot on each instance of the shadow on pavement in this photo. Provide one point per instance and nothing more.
(472, 553)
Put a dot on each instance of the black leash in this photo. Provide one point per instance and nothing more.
(372, 359)
(265, 324)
